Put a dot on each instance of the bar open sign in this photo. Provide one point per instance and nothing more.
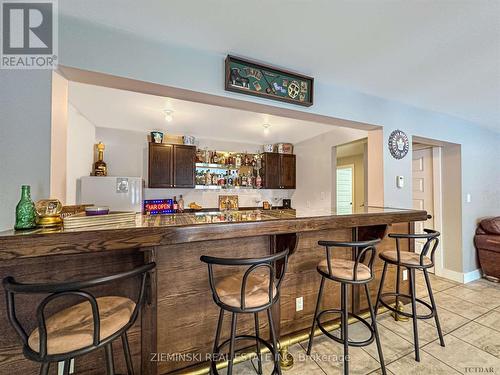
(158, 206)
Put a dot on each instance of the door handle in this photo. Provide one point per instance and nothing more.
(429, 217)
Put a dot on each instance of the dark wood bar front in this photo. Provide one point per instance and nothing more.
(177, 324)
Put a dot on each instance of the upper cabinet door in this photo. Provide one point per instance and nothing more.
(160, 165)
(287, 171)
(184, 157)
(271, 170)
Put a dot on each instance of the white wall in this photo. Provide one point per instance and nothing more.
(80, 152)
(316, 168)
(25, 128)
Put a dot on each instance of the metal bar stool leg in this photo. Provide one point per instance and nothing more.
(414, 312)
(110, 362)
(381, 286)
(231, 345)
(345, 326)
(275, 341)
(44, 368)
(126, 352)
(257, 343)
(375, 330)
(434, 307)
(318, 304)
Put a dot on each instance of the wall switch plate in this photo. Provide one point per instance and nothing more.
(405, 275)
(400, 182)
(299, 304)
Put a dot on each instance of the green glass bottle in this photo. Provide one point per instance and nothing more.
(25, 210)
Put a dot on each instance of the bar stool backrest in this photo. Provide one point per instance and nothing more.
(275, 265)
(72, 288)
(367, 247)
(431, 244)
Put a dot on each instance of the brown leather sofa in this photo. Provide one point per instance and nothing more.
(487, 242)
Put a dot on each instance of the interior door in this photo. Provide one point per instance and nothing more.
(423, 190)
(344, 189)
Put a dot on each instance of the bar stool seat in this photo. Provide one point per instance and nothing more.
(344, 269)
(407, 259)
(83, 327)
(73, 328)
(256, 291)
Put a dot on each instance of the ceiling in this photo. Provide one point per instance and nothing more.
(119, 109)
(438, 55)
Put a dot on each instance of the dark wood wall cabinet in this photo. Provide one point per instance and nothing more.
(278, 171)
(171, 166)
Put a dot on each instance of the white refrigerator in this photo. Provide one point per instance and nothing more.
(117, 193)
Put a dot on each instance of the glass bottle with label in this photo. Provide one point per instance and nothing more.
(176, 204)
(180, 204)
(238, 161)
(258, 181)
(100, 168)
(215, 158)
(25, 210)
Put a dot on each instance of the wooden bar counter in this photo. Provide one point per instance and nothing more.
(178, 322)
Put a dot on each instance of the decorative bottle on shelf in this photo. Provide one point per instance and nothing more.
(100, 168)
(25, 210)
(176, 204)
(180, 204)
(237, 163)
(215, 158)
(258, 181)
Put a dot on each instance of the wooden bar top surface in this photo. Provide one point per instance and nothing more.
(162, 230)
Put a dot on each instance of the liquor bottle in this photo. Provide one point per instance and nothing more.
(230, 180)
(237, 163)
(244, 180)
(215, 158)
(208, 178)
(214, 179)
(176, 204)
(258, 181)
(207, 156)
(100, 168)
(254, 162)
(181, 204)
(251, 180)
(25, 210)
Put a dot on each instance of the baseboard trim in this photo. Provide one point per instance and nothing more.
(472, 275)
(460, 277)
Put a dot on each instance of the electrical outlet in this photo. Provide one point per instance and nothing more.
(405, 275)
(60, 367)
(299, 304)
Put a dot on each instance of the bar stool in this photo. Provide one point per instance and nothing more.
(81, 328)
(412, 261)
(252, 291)
(347, 272)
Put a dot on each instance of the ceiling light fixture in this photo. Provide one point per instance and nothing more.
(266, 127)
(168, 115)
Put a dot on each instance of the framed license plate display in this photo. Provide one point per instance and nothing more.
(248, 77)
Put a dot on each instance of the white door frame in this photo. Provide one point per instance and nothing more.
(438, 207)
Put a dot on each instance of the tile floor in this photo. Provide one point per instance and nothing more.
(470, 319)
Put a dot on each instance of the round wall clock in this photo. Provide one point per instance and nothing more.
(398, 144)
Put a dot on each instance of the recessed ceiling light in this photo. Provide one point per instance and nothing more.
(266, 127)
(169, 115)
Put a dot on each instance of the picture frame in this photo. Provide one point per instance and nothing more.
(252, 78)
